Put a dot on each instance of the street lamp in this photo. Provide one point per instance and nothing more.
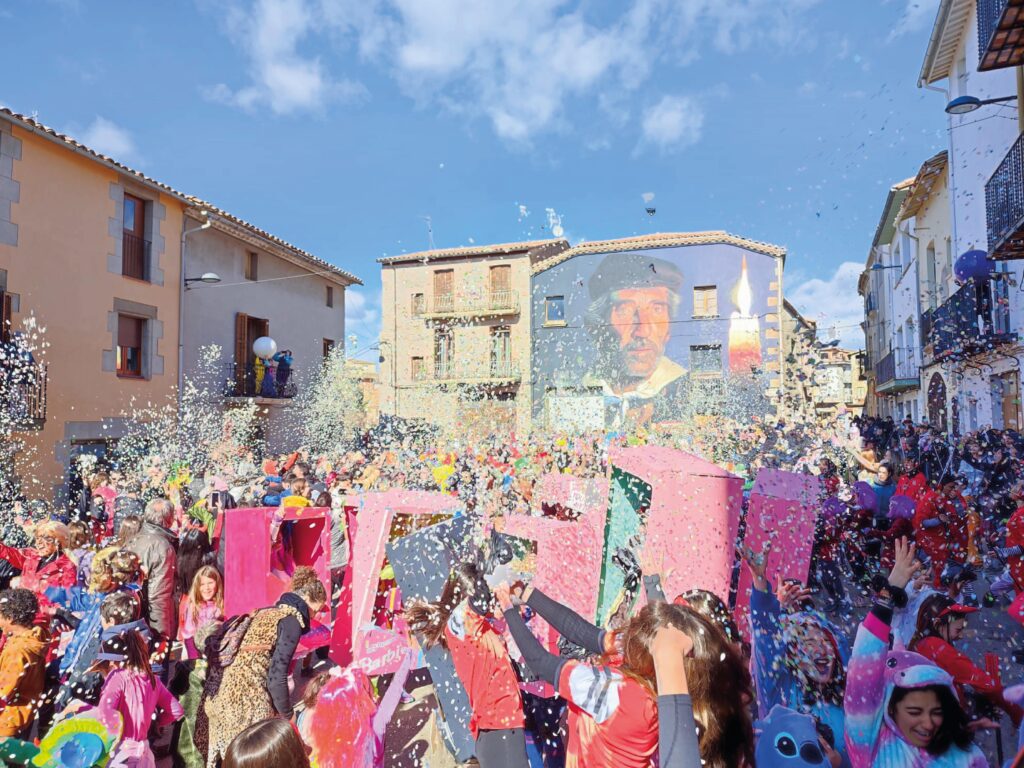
(879, 267)
(208, 278)
(961, 105)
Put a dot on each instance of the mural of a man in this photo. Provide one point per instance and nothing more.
(634, 300)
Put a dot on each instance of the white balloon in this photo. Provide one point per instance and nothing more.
(264, 347)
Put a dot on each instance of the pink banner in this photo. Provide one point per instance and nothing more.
(783, 508)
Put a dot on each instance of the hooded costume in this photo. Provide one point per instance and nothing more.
(872, 738)
(787, 739)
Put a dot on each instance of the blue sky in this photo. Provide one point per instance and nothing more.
(339, 124)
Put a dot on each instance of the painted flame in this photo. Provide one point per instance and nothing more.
(744, 296)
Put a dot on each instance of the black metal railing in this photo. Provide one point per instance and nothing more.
(1004, 203)
(23, 394)
(134, 257)
(927, 320)
(989, 13)
(248, 380)
(885, 370)
(975, 319)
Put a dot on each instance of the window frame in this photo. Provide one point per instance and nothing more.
(251, 269)
(707, 374)
(137, 232)
(704, 291)
(330, 296)
(121, 351)
(548, 302)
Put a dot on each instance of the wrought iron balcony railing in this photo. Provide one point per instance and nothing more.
(490, 304)
(23, 394)
(1004, 205)
(501, 371)
(134, 257)
(896, 374)
(973, 320)
(244, 380)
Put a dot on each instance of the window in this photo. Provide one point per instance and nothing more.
(501, 283)
(328, 347)
(134, 246)
(417, 369)
(501, 351)
(443, 353)
(6, 311)
(129, 346)
(705, 301)
(444, 285)
(330, 296)
(554, 310)
(419, 304)
(706, 359)
(252, 262)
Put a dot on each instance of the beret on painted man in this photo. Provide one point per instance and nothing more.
(634, 270)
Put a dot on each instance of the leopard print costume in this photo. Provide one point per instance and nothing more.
(237, 695)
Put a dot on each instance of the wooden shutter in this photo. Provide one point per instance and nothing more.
(443, 282)
(501, 279)
(129, 332)
(241, 351)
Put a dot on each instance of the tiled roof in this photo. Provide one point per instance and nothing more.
(661, 240)
(932, 170)
(950, 23)
(893, 200)
(468, 251)
(32, 125)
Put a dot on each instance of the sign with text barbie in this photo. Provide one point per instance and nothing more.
(656, 332)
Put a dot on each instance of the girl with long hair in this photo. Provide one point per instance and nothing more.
(268, 742)
(459, 622)
(202, 604)
(901, 709)
(667, 682)
(136, 697)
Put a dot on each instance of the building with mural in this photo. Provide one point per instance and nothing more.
(653, 329)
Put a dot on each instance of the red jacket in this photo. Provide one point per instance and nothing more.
(966, 673)
(915, 487)
(946, 539)
(59, 572)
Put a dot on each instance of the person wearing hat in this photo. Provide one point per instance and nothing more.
(634, 300)
(941, 623)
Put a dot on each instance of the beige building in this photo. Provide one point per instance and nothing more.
(799, 339)
(838, 383)
(365, 373)
(90, 250)
(455, 336)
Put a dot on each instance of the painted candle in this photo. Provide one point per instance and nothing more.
(744, 329)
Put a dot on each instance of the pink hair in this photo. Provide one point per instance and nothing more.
(341, 728)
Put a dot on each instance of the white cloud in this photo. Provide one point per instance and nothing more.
(917, 15)
(362, 318)
(110, 139)
(519, 64)
(282, 78)
(673, 123)
(833, 304)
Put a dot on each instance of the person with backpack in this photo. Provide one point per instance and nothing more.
(248, 661)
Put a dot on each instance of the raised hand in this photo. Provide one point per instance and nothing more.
(757, 564)
(905, 564)
(791, 595)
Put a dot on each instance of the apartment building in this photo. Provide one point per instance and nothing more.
(90, 249)
(455, 336)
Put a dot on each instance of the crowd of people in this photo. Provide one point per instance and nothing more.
(115, 636)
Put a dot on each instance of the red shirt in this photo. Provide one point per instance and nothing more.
(59, 572)
(915, 487)
(482, 663)
(613, 719)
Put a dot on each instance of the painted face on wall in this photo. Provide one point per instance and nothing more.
(641, 319)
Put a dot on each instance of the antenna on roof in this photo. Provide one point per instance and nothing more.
(430, 231)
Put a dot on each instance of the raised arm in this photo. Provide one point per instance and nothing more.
(567, 622)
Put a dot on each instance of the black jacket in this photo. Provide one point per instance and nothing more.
(289, 632)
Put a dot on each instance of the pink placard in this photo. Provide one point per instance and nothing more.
(693, 518)
(783, 508)
(253, 573)
(369, 524)
(380, 651)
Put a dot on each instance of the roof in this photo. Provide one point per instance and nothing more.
(439, 254)
(893, 201)
(194, 205)
(933, 170)
(950, 23)
(796, 315)
(661, 240)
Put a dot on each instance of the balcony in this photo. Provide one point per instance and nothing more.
(493, 304)
(974, 320)
(1004, 205)
(134, 257)
(242, 380)
(1000, 34)
(497, 373)
(23, 395)
(892, 376)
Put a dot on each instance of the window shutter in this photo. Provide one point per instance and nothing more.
(129, 331)
(6, 311)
